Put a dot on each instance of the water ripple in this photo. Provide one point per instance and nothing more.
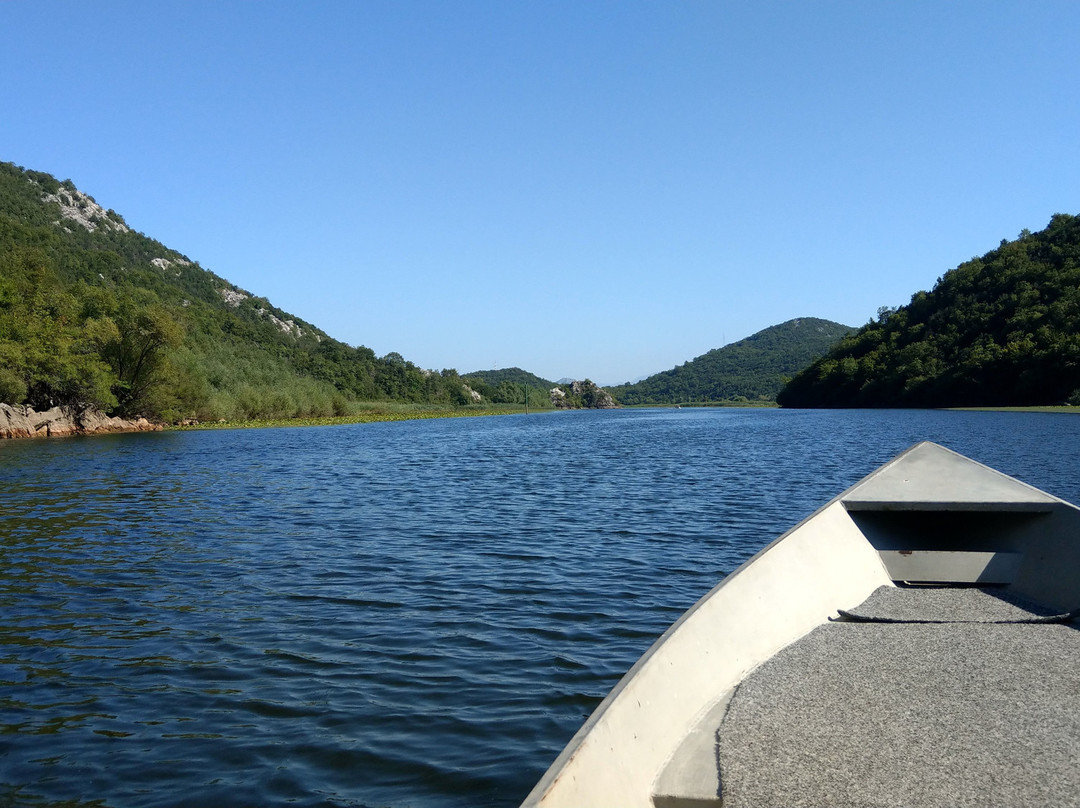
(406, 614)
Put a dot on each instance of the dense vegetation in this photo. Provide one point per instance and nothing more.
(999, 330)
(510, 386)
(93, 313)
(753, 369)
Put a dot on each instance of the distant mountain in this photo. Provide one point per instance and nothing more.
(93, 313)
(635, 380)
(751, 369)
(999, 330)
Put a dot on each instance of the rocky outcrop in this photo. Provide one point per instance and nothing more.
(232, 297)
(75, 206)
(25, 422)
(582, 395)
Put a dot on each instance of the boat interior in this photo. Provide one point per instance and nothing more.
(912, 643)
(954, 681)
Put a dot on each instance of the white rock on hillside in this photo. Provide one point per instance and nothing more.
(77, 207)
(165, 263)
(232, 297)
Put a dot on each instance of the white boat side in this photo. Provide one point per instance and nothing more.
(644, 744)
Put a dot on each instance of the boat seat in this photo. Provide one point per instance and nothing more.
(951, 566)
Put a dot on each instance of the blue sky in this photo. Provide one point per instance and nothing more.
(576, 188)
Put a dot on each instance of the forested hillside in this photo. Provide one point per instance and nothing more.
(999, 330)
(752, 369)
(94, 313)
(510, 386)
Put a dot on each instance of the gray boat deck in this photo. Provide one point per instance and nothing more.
(958, 697)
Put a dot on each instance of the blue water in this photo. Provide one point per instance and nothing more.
(398, 614)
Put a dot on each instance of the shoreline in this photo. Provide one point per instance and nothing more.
(1050, 408)
(375, 416)
(25, 423)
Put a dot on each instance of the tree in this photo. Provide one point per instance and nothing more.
(137, 334)
(49, 354)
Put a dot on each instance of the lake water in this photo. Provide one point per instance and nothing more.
(399, 614)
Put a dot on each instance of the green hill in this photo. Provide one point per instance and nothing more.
(95, 313)
(751, 369)
(509, 386)
(999, 330)
(512, 375)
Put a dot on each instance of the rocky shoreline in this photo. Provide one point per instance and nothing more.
(62, 422)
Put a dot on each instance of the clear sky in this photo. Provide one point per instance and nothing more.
(584, 189)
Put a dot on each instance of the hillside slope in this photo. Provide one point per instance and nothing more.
(512, 375)
(95, 313)
(511, 386)
(999, 330)
(754, 368)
